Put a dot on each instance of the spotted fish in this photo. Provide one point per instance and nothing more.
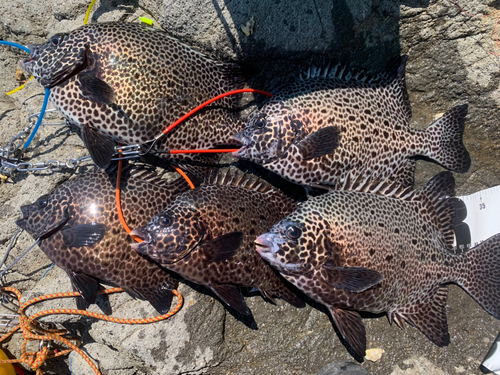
(383, 249)
(81, 233)
(126, 82)
(207, 235)
(329, 123)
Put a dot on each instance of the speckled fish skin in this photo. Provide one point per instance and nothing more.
(207, 236)
(126, 82)
(386, 252)
(81, 232)
(320, 128)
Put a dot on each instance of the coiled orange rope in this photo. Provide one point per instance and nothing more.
(33, 331)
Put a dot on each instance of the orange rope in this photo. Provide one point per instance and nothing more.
(180, 171)
(32, 330)
(211, 101)
(183, 174)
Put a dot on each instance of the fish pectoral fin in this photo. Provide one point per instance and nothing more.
(221, 248)
(430, 318)
(85, 285)
(322, 142)
(101, 148)
(232, 296)
(351, 328)
(351, 279)
(83, 235)
(96, 90)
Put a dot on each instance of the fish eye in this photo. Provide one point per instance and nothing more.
(56, 40)
(165, 221)
(293, 232)
(42, 202)
(261, 122)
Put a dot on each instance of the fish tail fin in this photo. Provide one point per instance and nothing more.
(483, 275)
(446, 133)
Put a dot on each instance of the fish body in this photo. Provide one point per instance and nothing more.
(126, 82)
(80, 232)
(383, 252)
(329, 123)
(207, 236)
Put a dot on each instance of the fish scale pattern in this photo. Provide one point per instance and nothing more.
(127, 82)
(90, 199)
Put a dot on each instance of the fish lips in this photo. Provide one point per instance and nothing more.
(245, 142)
(23, 222)
(267, 247)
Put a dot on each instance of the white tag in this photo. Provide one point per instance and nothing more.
(482, 210)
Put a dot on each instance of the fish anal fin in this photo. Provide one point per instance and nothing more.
(351, 279)
(232, 296)
(351, 328)
(159, 296)
(221, 248)
(430, 318)
(87, 286)
(101, 148)
(320, 143)
(83, 235)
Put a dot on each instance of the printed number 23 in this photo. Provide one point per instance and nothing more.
(482, 206)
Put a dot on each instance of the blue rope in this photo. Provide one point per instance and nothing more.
(40, 118)
(12, 44)
(45, 99)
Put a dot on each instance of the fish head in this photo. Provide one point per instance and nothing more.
(60, 58)
(270, 131)
(171, 235)
(46, 216)
(295, 246)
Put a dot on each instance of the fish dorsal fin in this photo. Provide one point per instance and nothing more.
(438, 201)
(394, 70)
(393, 78)
(148, 175)
(232, 176)
(370, 184)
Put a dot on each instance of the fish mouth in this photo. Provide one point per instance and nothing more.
(245, 144)
(141, 247)
(264, 246)
(23, 222)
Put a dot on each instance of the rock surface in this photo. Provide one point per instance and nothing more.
(453, 59)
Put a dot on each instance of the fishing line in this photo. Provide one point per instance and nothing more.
(10, 247)
(19, 258)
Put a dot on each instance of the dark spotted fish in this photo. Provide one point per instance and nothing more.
(330, 123)
(126, 82)
(360, 251)
(207, 235)
(81, 233)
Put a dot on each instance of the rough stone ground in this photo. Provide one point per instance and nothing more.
(453, 59)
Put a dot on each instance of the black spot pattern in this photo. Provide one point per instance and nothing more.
(373, 117)
(90, 198)
(155, 79)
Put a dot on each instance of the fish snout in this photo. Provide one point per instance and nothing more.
(265, 244)
(244, 144)
(145, 236)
